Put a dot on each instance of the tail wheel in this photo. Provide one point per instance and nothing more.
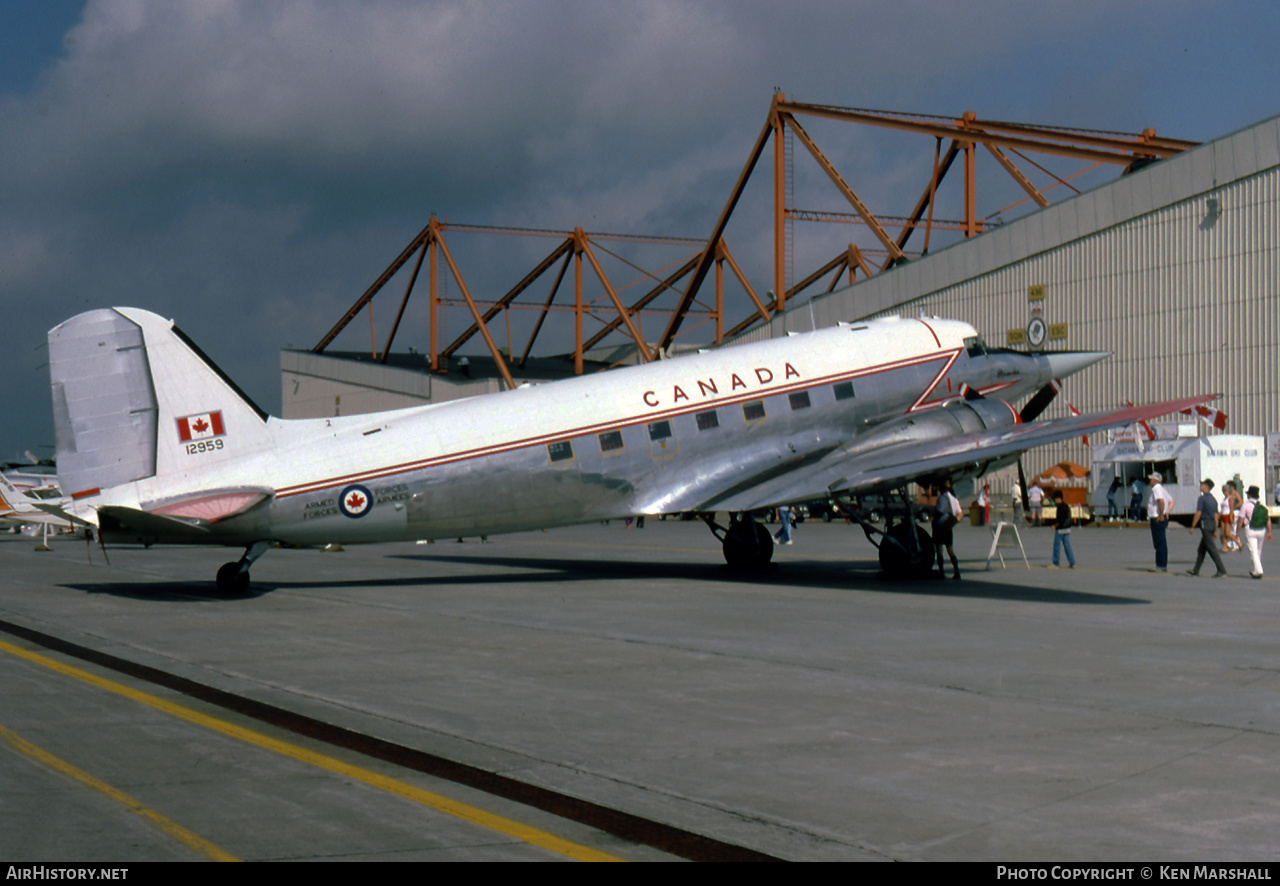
(747, 546)
(901, 555)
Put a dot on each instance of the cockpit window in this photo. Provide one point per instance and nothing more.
(975, 347)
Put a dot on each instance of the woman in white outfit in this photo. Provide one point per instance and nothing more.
(1254, 536)
(1228, 513)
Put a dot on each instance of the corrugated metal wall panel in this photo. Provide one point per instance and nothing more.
(1174, 269)
(1186, 297)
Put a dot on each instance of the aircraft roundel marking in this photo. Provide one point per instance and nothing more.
(355, 501)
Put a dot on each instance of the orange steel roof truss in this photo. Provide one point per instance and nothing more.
(577, 246)
(1002, 140)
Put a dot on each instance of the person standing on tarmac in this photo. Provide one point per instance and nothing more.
(783, 535)
(1135, 499)
(1256, 520)
(1159, 504)
(1203, 521)
(949, 515)
(1062, 530)
(1035, 496)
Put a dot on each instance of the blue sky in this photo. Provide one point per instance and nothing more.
(248, 168)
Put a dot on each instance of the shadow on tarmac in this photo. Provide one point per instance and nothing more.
(171, 591)
(854, 575)
(850, 576)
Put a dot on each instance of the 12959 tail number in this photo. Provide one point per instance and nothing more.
(204, 446)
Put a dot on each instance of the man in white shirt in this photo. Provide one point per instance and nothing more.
(1255, 530)
(1158, 507)
(1035, 500)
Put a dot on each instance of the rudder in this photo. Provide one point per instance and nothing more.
(134, 398)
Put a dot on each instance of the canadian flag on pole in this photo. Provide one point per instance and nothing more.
(1141, 431)
(200, 427)
(1084, 438)
(1208, 415)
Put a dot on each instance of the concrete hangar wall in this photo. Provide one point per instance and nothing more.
(321, 385)
(1175, 268)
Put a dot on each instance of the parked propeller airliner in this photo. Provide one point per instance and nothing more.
(156, 445)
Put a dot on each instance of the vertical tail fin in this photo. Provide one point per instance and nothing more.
(134, 398)
(11, 498)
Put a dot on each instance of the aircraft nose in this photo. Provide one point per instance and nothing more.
(1067, 363)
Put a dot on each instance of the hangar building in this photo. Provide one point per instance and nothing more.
(1175, 268)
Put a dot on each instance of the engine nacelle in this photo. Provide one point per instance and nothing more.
(952, 420)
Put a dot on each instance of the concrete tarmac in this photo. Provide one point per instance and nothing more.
(817, 712)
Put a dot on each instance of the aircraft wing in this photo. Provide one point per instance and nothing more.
(894, 466)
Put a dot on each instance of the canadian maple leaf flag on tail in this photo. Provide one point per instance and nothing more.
(1207, 414)
(201, 426)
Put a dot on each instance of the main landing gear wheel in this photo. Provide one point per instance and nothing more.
(747, 546)
(905, 557)
(232, 578)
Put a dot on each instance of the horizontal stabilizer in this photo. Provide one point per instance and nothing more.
(57, 511)
(143, 527)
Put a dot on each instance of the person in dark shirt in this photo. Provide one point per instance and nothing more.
(1113, 512)
(1205, 522)
(1062, 530)
(948, 514)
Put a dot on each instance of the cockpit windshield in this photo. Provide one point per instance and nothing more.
(974, 346)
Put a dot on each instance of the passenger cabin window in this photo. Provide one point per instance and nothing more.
(843, 390)
(659, 430)
(708, 420)
(561, 450)
(753, 411)
(610, 441)
(800, 400)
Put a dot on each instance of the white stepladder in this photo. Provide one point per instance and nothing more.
(996, 534)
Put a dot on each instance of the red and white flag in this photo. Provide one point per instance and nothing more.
(1075, 413)
(1207, 414)
(202, 426)
(1139, 430)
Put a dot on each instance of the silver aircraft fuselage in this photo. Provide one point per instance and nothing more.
(729, 429)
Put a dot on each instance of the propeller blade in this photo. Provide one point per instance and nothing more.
(1022, 482)
(1039, 402)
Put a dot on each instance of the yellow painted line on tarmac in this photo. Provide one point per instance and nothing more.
(167, 825)
(463, 811)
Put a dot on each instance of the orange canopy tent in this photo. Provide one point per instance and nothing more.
(1071, 478)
